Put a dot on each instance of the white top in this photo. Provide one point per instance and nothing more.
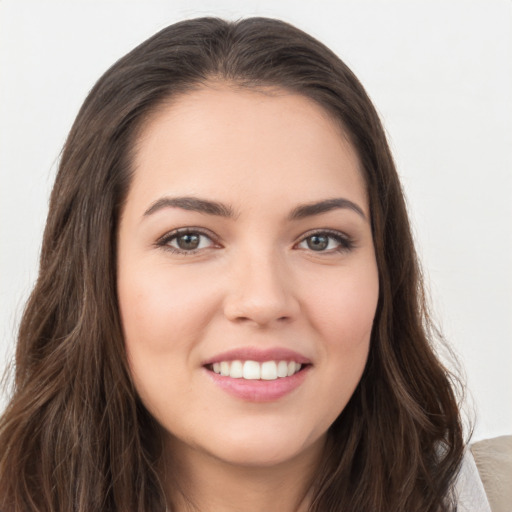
(469, 487)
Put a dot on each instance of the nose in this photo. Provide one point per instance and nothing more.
(261, 291)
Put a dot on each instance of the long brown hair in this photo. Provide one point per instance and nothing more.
(75, 436)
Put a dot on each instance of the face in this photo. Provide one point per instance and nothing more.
(247, 279)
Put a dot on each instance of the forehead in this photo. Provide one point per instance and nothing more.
(221, 140)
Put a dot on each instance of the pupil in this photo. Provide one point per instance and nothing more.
(318, 242)
(188, 241)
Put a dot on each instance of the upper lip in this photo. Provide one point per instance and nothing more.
(259, 355)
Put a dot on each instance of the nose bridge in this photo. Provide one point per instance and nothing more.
(261, 287)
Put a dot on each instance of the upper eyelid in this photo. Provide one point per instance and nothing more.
(345, 241)
(324, 231)
(165, 242)
(173, 233)
(215, 239)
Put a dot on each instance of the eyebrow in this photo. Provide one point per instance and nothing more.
(209, 207)
(193, 204)
(308, 210)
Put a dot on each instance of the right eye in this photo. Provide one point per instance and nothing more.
(186, 241)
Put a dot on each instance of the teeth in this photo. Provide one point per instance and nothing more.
(282, 369)
(237, 370)
(224, 368)
(292, 368)
(252, 370)
(269, 370)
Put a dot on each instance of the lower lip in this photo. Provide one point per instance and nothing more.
(259, 390)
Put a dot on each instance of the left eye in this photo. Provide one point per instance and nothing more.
(324, 242)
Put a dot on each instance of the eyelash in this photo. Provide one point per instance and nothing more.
(164, 241)
(345, 242)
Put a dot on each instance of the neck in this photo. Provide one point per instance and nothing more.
(198, 482)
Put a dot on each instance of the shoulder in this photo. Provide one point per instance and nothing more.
(469, 489)
(493, 459)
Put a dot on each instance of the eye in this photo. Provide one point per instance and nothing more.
(326, 241)
(185, 241)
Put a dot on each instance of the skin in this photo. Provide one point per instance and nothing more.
(255, 282)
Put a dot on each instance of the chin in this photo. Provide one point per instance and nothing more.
(262, 447)
(254, 455)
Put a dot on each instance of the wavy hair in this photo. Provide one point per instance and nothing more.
(76, 438)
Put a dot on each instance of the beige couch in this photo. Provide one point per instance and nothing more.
(493, 459)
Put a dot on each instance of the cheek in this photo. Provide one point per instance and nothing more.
(161, 311)
(162, 323)
(341, 310)
(344, 309)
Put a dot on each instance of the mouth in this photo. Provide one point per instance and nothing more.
(255, 370)
(253, 374)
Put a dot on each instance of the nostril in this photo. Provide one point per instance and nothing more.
(259, 306)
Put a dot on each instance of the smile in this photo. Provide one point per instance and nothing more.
(254, 370)
(258, 375)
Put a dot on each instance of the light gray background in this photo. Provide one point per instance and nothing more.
(440, 74)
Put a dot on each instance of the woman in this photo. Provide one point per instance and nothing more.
(229, 312)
